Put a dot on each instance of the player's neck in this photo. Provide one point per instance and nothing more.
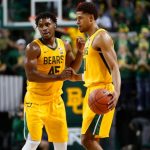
(50, 42)
(92, 30)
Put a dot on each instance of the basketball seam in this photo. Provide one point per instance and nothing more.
(96, 99)
(101, 110)
(101, 103)
(99, 97)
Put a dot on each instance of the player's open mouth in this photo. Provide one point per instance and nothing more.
(45, 33)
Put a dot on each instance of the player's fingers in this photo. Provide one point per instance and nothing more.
(111, 106)
(112, 98)
(68, 71)
(111, 103)
(79, 37)
(80, 40)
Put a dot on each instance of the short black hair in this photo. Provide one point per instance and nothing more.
(45, 15)
(88, 7)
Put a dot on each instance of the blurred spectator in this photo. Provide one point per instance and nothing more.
(126, 66)
(103, 19)
(113, 13)
(145, 33)
(15, 58)
(17, 129)
(140, 17)
(142, 77)
(133, 41)
(5, 45)
(18, 68)
(125, 12)
(122, 39)
(69, 8)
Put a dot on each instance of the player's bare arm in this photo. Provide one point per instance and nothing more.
(71, 61)
(32, 53)
(104, 42)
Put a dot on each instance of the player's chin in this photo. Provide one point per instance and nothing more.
(80, 29)
(46, 36)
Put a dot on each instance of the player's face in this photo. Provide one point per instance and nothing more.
(46, 28)
(83, 21)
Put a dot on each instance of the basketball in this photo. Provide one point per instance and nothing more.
(98, 101)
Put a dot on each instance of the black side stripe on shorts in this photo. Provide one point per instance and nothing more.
(102, 56)
(97, 125)
(26, 131)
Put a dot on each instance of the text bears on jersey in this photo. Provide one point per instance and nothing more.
(53, 60)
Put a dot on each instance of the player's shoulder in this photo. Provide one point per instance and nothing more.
(102, 32)
(33, 46)
(102, 38)
(103, 35)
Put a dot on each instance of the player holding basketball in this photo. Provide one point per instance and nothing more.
(45, 62)
(101, 71)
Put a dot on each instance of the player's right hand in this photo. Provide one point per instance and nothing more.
(80, 43)
(66, 74)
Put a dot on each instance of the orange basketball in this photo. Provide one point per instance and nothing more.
(98, 101)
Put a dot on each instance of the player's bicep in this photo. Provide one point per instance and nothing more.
(110, 57)
(31, 59)
(108, 51)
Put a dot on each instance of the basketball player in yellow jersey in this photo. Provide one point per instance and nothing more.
(101, 71)
(45, 62)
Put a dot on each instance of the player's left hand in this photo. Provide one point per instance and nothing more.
(113, 102)
(74, 75)
(80, 43)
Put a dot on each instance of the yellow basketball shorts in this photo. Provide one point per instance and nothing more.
(99, 125)
(52, 115)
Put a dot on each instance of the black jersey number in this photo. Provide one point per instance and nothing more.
(54, 70)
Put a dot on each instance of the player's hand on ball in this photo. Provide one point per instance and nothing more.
(113, 102)
(98, 101)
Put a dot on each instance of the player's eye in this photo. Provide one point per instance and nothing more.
(47, 24)
(40, 25)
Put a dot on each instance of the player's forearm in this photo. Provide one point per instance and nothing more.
(77, 62)
(116, 79)
(78, 77)
(35, 76)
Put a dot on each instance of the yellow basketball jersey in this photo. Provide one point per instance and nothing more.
(51, 61)
(96, 70)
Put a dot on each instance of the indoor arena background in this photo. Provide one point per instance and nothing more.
(128, 22)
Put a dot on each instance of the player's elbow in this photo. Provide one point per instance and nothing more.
(114, 66)
(30, 79)
(30, 76)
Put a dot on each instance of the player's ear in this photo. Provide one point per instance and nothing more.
(55, 26)
(91, 18)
